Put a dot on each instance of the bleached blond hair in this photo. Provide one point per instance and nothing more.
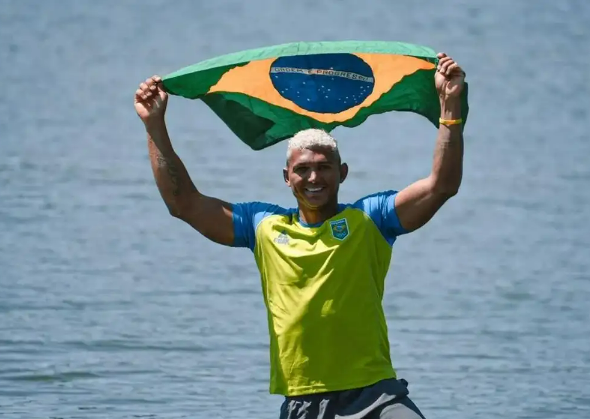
(309, 139)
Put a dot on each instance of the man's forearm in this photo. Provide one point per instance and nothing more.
(171, 176)
(447, 169)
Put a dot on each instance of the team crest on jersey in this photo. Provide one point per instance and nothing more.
(339, 229)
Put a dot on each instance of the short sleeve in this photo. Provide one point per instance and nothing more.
(381, 208)
(246, 217)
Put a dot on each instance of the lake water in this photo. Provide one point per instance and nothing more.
(110, 308)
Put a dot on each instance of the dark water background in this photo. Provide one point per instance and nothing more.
(109, 308)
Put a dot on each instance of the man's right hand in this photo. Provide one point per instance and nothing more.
(151, 100)
(212, 217)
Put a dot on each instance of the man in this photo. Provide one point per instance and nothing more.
(323, 264)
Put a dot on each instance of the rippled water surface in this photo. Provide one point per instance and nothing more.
(109, 308)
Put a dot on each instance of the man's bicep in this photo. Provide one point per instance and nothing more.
(212, 217)
(416, 204)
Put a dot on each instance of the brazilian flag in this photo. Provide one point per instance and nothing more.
(266, 95)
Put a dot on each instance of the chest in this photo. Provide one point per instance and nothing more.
(343, 250)
(295, 240)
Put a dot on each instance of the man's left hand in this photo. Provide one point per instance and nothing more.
(449, 77)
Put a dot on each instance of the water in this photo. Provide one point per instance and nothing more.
(109, 308)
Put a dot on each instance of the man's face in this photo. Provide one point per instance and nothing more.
(314, 176)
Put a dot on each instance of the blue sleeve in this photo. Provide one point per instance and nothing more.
(246, 217)
(381, 208)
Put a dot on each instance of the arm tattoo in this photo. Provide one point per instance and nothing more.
(172, 171)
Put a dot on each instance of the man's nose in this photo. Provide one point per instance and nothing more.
(313, 175)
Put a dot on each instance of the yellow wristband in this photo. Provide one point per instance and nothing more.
(450, 121)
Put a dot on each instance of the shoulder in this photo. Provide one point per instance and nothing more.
(380, 208)
(256, 211)
(377, 201)
(247, 216)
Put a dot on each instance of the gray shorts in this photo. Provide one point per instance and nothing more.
(387, 399)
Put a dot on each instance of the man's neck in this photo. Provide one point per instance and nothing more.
(317, 215)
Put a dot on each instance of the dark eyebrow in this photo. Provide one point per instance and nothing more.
(307, 164)
(300, 165)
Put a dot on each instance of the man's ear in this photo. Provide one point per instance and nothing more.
(286, 176)
(343, 172)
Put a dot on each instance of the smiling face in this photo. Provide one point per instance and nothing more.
(314, 175)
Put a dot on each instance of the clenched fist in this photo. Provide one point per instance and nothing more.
(151, 100)
(449, 77)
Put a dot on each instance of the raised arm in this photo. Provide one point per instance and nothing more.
(417, 203)
(209, 216)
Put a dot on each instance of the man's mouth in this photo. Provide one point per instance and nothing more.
(314, 189)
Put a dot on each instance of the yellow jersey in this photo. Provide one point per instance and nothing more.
(323, 289)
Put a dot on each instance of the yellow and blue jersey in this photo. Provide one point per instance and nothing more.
(323, 288)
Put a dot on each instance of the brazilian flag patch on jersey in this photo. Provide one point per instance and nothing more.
(339, 229)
